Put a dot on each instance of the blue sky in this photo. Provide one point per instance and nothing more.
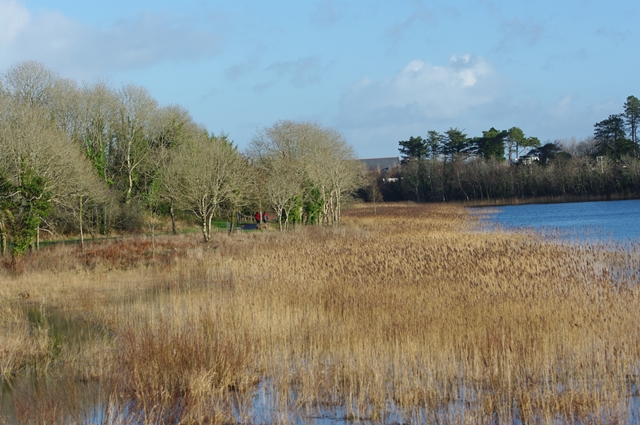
(377, 71)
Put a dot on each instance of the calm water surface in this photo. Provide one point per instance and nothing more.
(617, 220)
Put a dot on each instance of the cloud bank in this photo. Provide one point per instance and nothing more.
(72, 47)
(421, 91)
(421, 96)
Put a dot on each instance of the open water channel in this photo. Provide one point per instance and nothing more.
(617, 221)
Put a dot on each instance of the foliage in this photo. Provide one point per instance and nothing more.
(632, 117)
(32, 207)
(454, 143)
(297, 159)
(546, 153)
(490, 145)
(203, 174)
(473, 168)
(611, 138)
(414, 148)
(313, 205)
(109, 155)
(24, 206)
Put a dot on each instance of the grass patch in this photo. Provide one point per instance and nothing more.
(410, 315)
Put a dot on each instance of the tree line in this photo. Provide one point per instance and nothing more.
(94, 158)
(507, 164)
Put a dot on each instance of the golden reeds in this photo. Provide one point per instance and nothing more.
(410, 315)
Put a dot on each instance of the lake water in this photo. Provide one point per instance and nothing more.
(609, 220)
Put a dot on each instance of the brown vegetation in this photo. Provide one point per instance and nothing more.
(409, 316)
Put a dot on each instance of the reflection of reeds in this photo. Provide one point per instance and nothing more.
(410, 312)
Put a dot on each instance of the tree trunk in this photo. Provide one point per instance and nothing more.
(173, 218)
(460, 184)
(232, 220)
(153, 236)
(204, 229)
(128, 161)
(209, 226)
(324, 217)
(103, 221)
(3, 238)
(81, 229)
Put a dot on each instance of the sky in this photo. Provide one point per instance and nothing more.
(377, 71)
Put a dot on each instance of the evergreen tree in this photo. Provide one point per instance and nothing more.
(632, 117)
(490, 145)
(611, 138)
(546, 153)
(515, 138)
(434, 143)
(455, 142)
(414, 148)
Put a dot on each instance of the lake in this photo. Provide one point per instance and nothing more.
(608, 220)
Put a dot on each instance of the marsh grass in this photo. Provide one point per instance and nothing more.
(410, 315)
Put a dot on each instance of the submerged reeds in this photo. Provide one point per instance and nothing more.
(410, 315)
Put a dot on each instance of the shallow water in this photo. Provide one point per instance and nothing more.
(65, 331)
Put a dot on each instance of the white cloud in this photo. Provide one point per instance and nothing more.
(73, 48)
(421, 91)
(465, 93)
(13, 17)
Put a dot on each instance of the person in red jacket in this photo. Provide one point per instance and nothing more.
(258, 217)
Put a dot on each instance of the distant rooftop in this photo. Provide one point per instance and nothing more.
(383, 164)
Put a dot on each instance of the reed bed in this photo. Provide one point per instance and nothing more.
(410, 315)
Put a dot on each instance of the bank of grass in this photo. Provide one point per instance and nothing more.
(410, 315)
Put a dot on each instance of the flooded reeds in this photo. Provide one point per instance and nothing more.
(407, 316)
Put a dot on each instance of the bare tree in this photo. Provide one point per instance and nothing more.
(284, 187)
(239, 191)
(99, 108)
(84, 190)
(66, 110)
(169, 128)
(132, 126)
(372, 186)
(5, 187)
(200, 177)
(40, 158)
(276, 152)
(30, 83)
(38, 162)
(300, 159)
(347, 176)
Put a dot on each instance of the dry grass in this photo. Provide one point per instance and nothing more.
(409, 316)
